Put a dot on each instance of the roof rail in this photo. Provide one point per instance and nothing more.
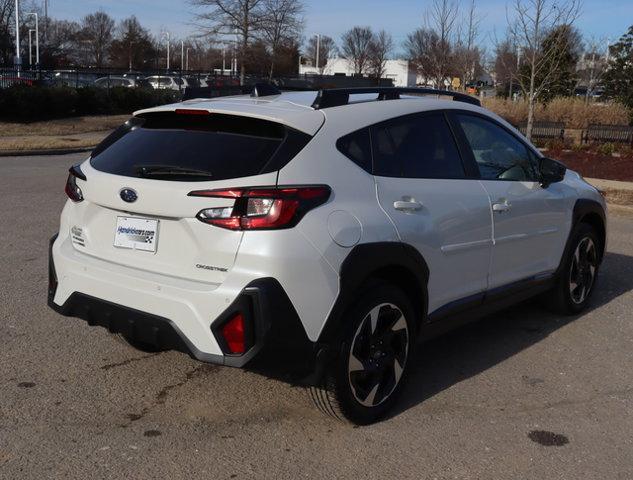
(335, 97)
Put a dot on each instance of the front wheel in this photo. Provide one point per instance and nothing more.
(367, 375)
(579, 273)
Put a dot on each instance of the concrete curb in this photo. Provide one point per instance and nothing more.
(31, 153)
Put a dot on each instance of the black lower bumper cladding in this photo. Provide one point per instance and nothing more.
(277, 338)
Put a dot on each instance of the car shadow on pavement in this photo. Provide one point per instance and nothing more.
(472, 349)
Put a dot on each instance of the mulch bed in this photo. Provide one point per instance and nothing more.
(596, 165)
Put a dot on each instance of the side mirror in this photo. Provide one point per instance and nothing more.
(552, 171)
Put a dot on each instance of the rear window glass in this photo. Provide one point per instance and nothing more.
(171, 146)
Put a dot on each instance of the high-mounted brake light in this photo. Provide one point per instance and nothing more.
(262, 208)
(72, 189)
(191, 111)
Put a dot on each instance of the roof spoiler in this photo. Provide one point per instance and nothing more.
(336, 97)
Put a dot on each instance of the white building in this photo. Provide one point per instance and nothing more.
(402, 74)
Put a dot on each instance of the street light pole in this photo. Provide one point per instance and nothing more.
(31, 48)
(167, 34)
(37, 39)
(17, 36)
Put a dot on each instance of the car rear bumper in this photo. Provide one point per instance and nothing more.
(104, 298)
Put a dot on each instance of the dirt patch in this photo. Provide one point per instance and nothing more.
(596, 165)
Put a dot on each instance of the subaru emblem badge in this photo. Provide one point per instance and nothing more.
(128, 195)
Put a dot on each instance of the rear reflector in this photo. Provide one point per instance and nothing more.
(234, 334)
(262, 208)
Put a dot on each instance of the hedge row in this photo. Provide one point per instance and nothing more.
(24, 103)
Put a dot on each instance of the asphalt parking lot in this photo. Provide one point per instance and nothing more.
(522, 394)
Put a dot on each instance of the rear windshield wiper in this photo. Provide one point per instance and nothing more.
(159, 170)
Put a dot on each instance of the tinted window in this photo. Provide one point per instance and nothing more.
(225, 146)
(419, 146)
(357, 147)
(499, 154)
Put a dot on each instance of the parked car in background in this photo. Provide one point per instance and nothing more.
(110, 82)
(166, 82)
(7, 81)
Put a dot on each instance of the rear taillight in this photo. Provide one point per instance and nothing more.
(262, 208)
(72, 189)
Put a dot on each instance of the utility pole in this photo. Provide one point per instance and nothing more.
(45, 20)
(37, 40)
(182, 55)
(317, 50)
(18, 60)
(223, 59)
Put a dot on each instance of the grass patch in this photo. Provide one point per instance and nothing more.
(65, 126)
(47, 142)
(573, 112)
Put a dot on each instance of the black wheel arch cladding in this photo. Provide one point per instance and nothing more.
(394, 262)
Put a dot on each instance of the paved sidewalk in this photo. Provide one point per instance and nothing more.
(616, 193)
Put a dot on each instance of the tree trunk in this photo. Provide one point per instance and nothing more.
(272, 67)
(530, 119)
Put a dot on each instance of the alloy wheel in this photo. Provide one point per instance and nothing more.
(582, 273)
(378, 354)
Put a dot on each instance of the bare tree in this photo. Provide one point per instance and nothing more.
(132, 46)
(506, 65)
(227, 18)
(355, 47)
(281, 22)
(380, 47)
(326, 47)
(441, 18)
(467, 56)
(7, 46)
(430, 48)
(533, 21)
(593, 64)
(97, 31)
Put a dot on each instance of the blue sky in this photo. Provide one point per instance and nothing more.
(606, 19)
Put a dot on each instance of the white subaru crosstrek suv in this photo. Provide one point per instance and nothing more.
(321, 233)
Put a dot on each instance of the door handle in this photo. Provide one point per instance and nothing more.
(407, 205)
(501, 206)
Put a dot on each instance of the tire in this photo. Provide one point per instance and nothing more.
(137, 344)
(577, 279)
(363, 381)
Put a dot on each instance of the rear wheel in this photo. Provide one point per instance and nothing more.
(363, 382)
(578, 275)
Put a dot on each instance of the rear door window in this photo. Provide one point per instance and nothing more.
(170, 146)
(416, 146)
